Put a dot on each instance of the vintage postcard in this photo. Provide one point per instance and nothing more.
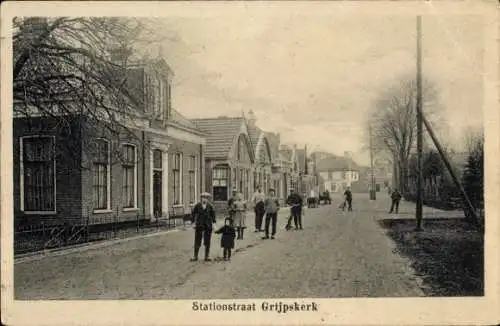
(252, 162)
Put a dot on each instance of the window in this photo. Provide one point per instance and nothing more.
(129, 176)
(177, 174)
(219, 183)
(192, 179)
(241, 187)
(242, 149)
(101, 175)
(38, 174)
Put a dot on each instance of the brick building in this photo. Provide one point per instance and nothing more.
(85, 170)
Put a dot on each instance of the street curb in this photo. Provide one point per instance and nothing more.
(87, 246)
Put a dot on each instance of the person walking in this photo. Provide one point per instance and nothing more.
(272, 206)
(239, 208)
(227, 238)
(295, 201)
(395, 199)
(203, 217)
(257, 200)
(348, 198)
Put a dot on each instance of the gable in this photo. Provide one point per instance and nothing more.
(242, 149)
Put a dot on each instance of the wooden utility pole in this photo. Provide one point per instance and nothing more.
(420, 190)
(373, 193)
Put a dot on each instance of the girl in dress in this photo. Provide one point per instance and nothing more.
(239, 215)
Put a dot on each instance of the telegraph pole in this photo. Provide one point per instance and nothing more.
(420, 190)
(373, 194)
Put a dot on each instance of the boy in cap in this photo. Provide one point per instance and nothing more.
(203, 216)
(272, 207)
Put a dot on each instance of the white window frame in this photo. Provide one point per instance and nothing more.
(108, 181)
(21, 179)
(195, 169)
(129, 209)
(181, 178)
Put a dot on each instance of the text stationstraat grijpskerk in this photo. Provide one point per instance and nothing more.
(278, 307)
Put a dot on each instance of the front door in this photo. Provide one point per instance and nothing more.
(157, 195)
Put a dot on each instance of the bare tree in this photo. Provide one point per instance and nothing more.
(394, 123)
(74, 68)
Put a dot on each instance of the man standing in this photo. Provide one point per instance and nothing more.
(295, 201)
(348, 198)
(257, 200)
(272, 207)
(203, 216)
(395, 198)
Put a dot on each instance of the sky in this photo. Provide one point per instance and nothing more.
(314, 77)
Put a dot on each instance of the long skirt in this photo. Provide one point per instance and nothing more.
(239, 220)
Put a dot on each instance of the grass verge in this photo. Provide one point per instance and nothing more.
(448, 255)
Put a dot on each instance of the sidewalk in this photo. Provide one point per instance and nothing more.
(122, 269)
(33, 256)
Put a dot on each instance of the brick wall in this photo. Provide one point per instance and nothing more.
(117, 211)
(68, 167)
(186, 149)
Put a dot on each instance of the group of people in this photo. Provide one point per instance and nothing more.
(204, 220)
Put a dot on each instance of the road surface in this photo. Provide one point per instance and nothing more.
(338, 254)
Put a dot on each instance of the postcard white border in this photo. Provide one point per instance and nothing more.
(332, 311)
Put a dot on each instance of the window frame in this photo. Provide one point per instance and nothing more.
(21, 179)
(135, 207)
(227, 172)
(108, 181)
(180, 171)
(192, 160)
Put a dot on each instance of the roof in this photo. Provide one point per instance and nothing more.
(220, 134)
(254, 133)
(181, 120)
(336, 163)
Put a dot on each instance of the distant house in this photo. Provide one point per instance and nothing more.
(337, 172)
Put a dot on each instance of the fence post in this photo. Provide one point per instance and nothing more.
(157, 223)
(137, 222)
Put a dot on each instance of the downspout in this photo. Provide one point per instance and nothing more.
(144, 174)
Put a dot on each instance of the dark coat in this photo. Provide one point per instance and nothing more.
(348, 194)
(228, 235)
(295, 199)
(203, 217)
(396, 196)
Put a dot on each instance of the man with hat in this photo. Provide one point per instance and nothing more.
(295, 201)
(203, 217)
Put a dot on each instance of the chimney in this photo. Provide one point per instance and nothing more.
(251, 118)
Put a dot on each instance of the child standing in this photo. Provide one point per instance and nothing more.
(227, 238)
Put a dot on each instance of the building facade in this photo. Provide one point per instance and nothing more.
(97, 171)
(265, 158)
(229, 158)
